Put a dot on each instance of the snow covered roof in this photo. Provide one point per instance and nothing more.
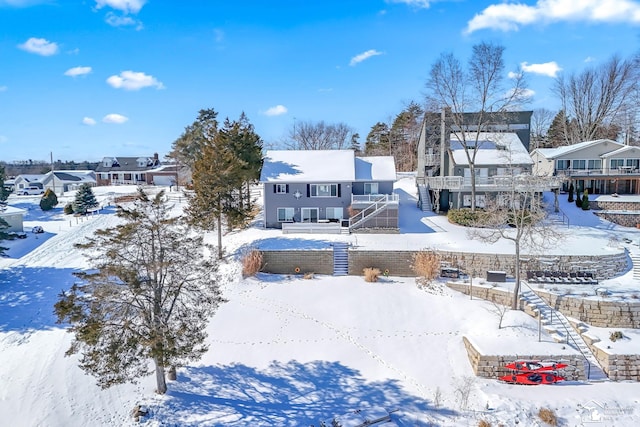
(10, 210)
(623, 150)
(494, 148)
(31, 177)
(376, 168)
(553, 153)
(308, 166)
(75, 175)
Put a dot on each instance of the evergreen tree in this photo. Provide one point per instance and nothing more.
(557, 135)
(4, 192)
(571, 189)
(49, 200)
(585, 200)
(377, 142)
(578, 199)
(3, 235)
(355, 143)
(85, 200)
(149, 296)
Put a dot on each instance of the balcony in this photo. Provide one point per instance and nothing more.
(361, 201)
(621, 171)
(494, 184)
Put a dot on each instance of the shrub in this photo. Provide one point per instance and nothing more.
(570, 199)
(465, 217)
(371, 274)
(251, 263)
(426, 263)
(484, 423)
(49, 200)
(68, 209)
(585, 201)
(615, 336)
(578, 200)
(547, 416)
(308, 276)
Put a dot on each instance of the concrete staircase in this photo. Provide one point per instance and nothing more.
(560, 329)
(340, 259)
(635, 260)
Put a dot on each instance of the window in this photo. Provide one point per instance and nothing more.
(309, 214)
(579, 164)
(616, 163)
(280, 188)
(633, 163)
(285, 214)
(595, 164)
(334, 213)
(563, 164)
(324, 190)
(480, 200)
(370, 188)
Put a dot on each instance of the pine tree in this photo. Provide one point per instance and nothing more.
(377, 143)
(4, 192)
(149, 296)
(557, 135)
(85, 200)
(578, 199)
(3, 235)
(49, 200)
(585, 200)
(571, 189)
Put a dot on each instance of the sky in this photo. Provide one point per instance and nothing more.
(85, 79)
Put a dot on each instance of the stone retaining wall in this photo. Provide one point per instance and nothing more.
(399, 262)
(492, 366)
(599, 313)
(629, 215)
(626, 219)
(499, 296)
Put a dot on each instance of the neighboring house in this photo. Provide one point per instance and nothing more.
(502, 151)
(23, 181)
(13, 216)
(126, 170)
(71, 180)
(602, 166)
(328, 186)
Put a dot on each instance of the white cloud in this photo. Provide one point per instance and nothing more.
(421, 4)
(513, 75)
(278, 110)
(114, 118)
(511, 16)
(90, 122)
(589, 59)
(524, 93)
(3, 88)
(122, 21)
(363, 56)
(39, 46)
(77, 71)
(125, 6)
(549, 69)
(131, 80)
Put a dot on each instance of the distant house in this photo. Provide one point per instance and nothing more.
(62, 181)
(329, 186)
(602, 166)
(23, 181)
(126, 170)
(13, 216)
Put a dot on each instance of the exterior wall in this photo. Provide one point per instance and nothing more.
(286, 262)
(384, 187)
(273, 201)
(14, 219)
(541, 165)
(592, 152)
(492, 366)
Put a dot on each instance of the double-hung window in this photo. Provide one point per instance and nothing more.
(280, 188)
(324, 190)
(285, 214)
(594, 164)
(562, 165)
(616, 163)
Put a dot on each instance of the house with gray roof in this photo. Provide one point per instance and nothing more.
(126, 170)
(601, 166)
(328, 187)
(68, 180)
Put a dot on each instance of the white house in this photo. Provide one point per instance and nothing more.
(13, 216)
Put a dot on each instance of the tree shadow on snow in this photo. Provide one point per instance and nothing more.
(27, 296)
(283, 394)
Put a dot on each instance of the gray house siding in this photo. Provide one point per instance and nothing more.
(384, 187)
(274, 200)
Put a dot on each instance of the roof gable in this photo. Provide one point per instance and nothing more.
(375, 168)
(494, 148)
(554, 153)
(626, 150)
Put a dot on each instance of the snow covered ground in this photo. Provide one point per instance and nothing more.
(285, 351)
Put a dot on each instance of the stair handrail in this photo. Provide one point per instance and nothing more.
(376, 206)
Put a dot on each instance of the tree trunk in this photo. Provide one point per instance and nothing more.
(161, 384)
(219, 219)
(472, 170)
(516, 287)
(172, 375)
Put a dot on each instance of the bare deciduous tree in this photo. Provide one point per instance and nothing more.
(595, 99)
(481, 89)
(320, 136)
(517, 214)
(540, 122)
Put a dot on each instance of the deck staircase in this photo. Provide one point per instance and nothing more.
(558, 326)
(369, 212)
(424, 198)
(635, 260)
(340, 259)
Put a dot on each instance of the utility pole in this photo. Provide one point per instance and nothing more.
(53, 175)
(442, 141)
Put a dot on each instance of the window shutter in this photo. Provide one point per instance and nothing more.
(339, 188)
(308, 190)
(286, 188)
(274, 187)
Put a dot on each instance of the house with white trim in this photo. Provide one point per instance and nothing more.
(328, 187)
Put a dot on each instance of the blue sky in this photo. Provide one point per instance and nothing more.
(86, 79)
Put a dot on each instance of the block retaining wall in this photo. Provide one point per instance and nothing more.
(492, 366)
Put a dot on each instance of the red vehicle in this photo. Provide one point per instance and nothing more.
(535, 365)
(532, 378)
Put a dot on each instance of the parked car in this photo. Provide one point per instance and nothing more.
(37, 229)
(29, 191)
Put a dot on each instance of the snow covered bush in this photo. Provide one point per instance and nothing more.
(85, 200)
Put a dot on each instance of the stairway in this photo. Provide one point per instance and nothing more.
(340, 259)
(557, 325)
(425, 199)
(635, 260)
